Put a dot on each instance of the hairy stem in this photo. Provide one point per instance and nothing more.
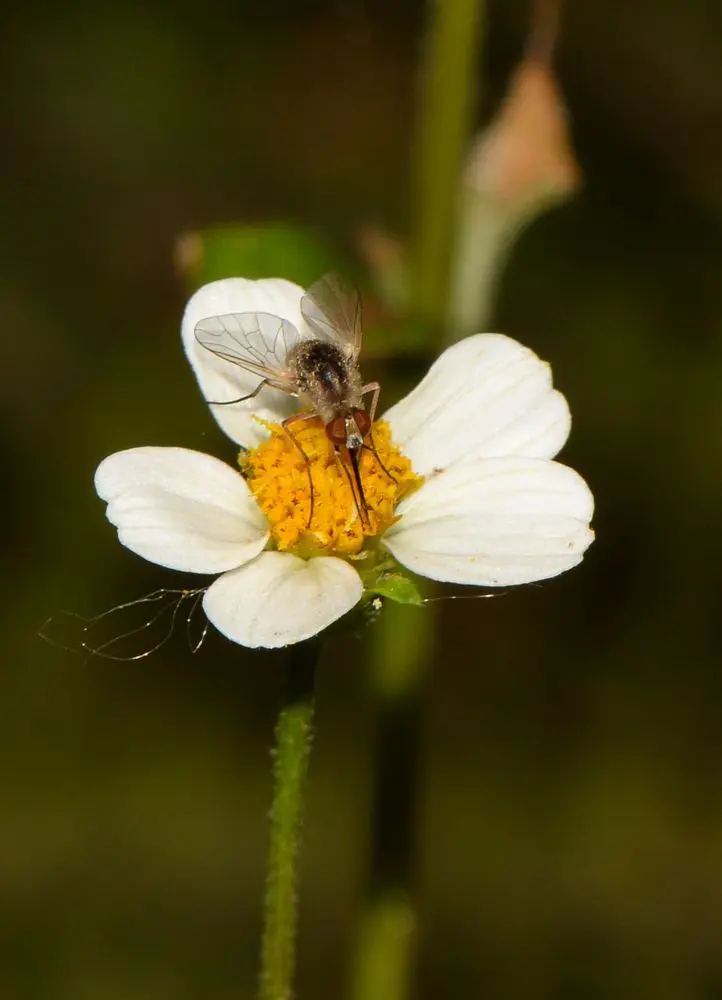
(291, 754)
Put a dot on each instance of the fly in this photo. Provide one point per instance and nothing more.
(320, 370)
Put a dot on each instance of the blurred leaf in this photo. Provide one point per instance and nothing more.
(285, 251)
(389, 339)
(259, 251)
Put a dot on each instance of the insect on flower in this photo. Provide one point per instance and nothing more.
(477, 502)
(321, 371)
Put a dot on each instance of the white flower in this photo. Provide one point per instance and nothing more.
(473, 496)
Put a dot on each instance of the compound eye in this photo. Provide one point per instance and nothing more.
(336, 431)
(363, 422)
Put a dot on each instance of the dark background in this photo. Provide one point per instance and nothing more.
(570, 822)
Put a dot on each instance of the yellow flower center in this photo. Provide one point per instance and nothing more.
(305, 488)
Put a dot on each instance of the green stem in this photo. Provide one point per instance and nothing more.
(445, 109)
(403, 650)
(386, 937)
(385, 948)
(292, 750)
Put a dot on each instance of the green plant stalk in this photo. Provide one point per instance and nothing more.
(385, 948)
(386, 937)
(291, 753)
(446, 104)
(404, 637)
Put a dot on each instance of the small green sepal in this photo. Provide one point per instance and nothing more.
(396, 587)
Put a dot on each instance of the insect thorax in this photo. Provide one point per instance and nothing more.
(325, 377)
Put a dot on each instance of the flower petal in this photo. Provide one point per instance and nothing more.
(495, 523)
(279, 599)
(181, 509)
(221, 380)
(485, 397)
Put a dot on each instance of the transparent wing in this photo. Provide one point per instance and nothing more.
(256, 342)
(332, 309)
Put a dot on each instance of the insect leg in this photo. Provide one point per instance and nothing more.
(241, 399)
(372, 448)
(284, 424)
(375, 388)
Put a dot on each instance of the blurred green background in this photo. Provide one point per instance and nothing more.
(570, 828)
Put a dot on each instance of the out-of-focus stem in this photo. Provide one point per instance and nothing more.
(384, 948)
(400, 657)
(447, 94)
(404, 637)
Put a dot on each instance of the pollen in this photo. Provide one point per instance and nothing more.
(308, 491)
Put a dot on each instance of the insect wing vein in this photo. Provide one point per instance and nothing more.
(256, 342)
(332, 310)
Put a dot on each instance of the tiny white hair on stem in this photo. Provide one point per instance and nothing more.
(463, 597)
(476, 597)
